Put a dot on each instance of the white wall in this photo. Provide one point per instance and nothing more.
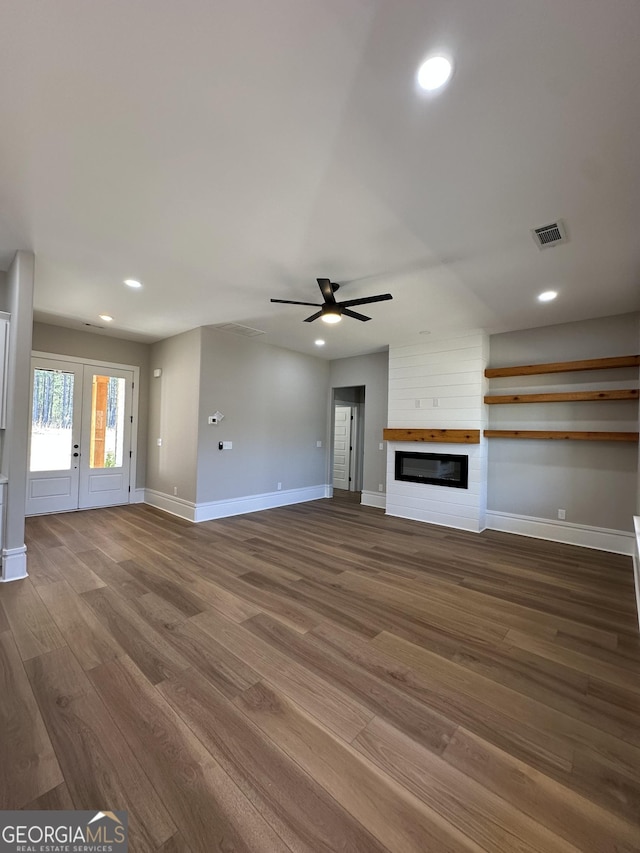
(372, 372)
(596, 483)
(274, 402)
(439, 383)
(80, 344)
(172, 468)
(18, 293)
(274, 406)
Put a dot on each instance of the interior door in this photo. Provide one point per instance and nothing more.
(54, 445)
(342, 447)
(106, 437)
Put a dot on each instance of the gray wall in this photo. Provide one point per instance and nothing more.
(173, 416)
(274, 403)
(18, 300)
(595, 482)
(79, 344)
(371, 371)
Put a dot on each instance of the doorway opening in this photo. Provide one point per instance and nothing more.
(347, 444)
(81, 439)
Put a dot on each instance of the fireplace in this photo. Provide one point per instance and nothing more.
(436, 469)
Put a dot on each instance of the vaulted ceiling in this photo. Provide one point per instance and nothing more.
(224, 153)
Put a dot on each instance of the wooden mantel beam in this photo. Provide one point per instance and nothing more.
(445, 436)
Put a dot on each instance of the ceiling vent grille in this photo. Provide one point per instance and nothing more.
(550, 235)
(238, 329)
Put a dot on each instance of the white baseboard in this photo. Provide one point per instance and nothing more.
(255, 503)
(234, 506)
(376, 499)
(137, 496)
(169, 503)
(14, 564)
(599, 538)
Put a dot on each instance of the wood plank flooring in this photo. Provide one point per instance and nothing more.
(322, 677)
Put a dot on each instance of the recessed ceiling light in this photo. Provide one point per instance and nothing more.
(434, 73)
(106, 317)
(319, 342)
(132, 282)
(547, 296)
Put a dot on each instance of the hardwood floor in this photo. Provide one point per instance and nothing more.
(322, 677)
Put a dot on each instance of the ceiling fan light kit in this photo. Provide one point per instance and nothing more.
(332, 311)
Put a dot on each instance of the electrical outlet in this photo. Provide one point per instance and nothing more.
(279, 486)
(318, 444)
(380, 487)
(175, 490)
(159, 442)
(381, 445)
(562, 514)
(436, 402)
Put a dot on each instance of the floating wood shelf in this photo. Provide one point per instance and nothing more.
(561, 435)
(446, 436)
(564, 366)
(563, 397)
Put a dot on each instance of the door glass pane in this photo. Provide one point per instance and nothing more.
(107, 421)
(51, 420)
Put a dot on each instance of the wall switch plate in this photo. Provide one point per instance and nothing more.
(380, 487)
(381, 445)
(318, 444)
(227, 445)
(562, 514)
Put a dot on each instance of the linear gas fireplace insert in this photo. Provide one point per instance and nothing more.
(436, 469)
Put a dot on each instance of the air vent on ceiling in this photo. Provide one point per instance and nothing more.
(550, 235)
(238, 329)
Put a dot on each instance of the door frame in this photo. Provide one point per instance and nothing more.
(135, 402)
(358, 411)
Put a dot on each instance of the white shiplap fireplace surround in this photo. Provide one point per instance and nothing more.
(439, 384)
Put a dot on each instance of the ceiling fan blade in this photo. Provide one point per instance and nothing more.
(354, 314)
(293, 302)
(367, 299)
(326, 288)
(313, 317)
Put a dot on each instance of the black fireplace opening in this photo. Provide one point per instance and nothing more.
(436, 469)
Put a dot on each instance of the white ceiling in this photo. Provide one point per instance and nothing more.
(227, 152)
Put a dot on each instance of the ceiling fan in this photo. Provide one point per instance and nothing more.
(332, 311)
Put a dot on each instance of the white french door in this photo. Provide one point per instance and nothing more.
(80, 439)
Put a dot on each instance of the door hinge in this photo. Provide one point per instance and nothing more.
(129, 488)
(130, 454)
(349, 479)
(131, 418)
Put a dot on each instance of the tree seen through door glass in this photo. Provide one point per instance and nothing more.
(107, 422)
(51, 420)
